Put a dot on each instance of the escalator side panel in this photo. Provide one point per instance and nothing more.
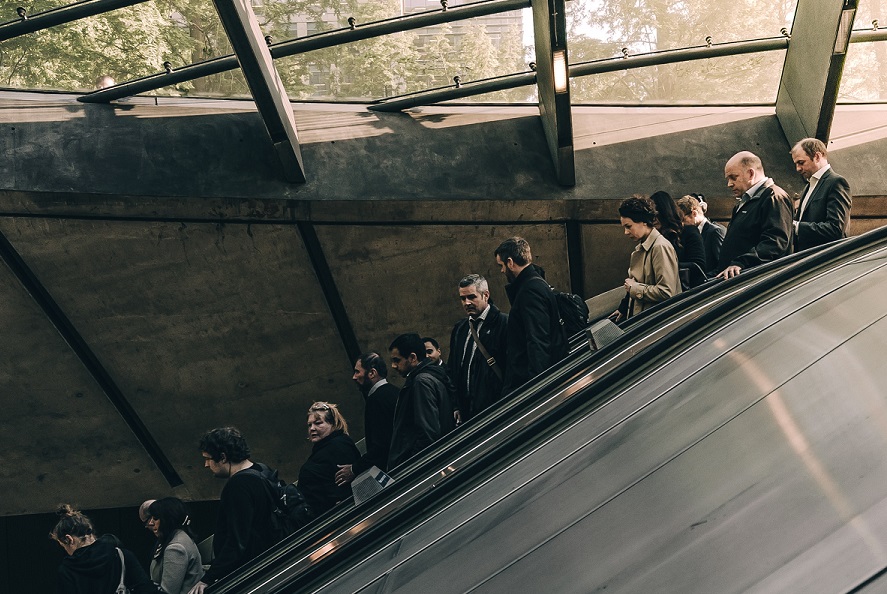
(632, 450)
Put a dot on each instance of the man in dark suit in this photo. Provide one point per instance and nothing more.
(824, 211)
(693, 213)
(761, 227)
(478, 380)
(370, 371)
(536, 339)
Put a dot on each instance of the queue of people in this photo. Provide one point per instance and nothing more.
(491, 354)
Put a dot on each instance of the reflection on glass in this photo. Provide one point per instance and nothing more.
(732, 80)
(865, 70)
(405, 62)
(599, 29)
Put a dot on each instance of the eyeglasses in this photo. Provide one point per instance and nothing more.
(321, 406)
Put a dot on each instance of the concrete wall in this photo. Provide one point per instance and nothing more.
(167, 237)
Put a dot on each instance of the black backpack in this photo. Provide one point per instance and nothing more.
(291, 511)
(573, 311)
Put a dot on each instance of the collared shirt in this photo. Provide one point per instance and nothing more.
(471, 347)
(376, 386)
(752, 190)
(814, 180)
(701, 225)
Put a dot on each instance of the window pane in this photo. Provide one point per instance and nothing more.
(732, 80)
(865, 70)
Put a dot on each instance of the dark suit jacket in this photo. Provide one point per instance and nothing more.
(712, 238)
(378, 427)
(827, 214)
(486, 387)
(760, 231)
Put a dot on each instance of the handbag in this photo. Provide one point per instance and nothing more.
(121, 587)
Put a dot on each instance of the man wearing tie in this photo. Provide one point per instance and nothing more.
(476, 374)
(824, 211)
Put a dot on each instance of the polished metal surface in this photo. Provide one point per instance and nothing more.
(751, 461)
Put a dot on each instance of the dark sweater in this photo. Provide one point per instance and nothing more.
(95, 569)
(317, 477)
(244, 526)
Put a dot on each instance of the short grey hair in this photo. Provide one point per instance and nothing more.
(476, 280)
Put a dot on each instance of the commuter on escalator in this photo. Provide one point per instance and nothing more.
(245, 525)
(94, 565)
(692, 212)
(425, 405)
(686, 240)
(332, 447)
(653, 267)
(176, 564)
(536, 339)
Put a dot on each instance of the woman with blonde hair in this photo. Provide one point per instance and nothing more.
(328, 431)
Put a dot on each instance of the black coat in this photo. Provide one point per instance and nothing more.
(827, 214)
(95, 569)
(691, 254)
(712, 239)
(317, 477)
(486, 387)
(424, 412)
(536, 339)
(378, 425)
(760, 231)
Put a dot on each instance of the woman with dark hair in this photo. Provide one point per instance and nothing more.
(328, 431)
(686, 240)
(653, 267)
(176, 565)
(94, 565)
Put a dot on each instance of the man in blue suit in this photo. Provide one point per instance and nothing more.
(824, 211)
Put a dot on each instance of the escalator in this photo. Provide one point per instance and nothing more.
(728, 441)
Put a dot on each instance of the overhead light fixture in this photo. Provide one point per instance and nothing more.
(560, 71)
(844, 30)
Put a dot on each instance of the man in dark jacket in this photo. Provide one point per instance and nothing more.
(536, 339)
(478, 380)
(245, 525)
(824, 211)
(424, 411)
(370, 372)
(761, 228)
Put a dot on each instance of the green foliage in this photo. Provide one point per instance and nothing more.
(657, 25)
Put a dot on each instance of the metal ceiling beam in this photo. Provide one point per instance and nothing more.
(808, 90)
(458, 91)
(59, 16)
(687, 54)
(306, 44)
(553, 84)
(84, 353)
(264, 82)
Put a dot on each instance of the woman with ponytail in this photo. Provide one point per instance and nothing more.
(176, 565)
(94, 565)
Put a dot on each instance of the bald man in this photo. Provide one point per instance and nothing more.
(761, 229)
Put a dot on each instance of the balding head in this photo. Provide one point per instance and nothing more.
(143, 510)
(743, 170)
